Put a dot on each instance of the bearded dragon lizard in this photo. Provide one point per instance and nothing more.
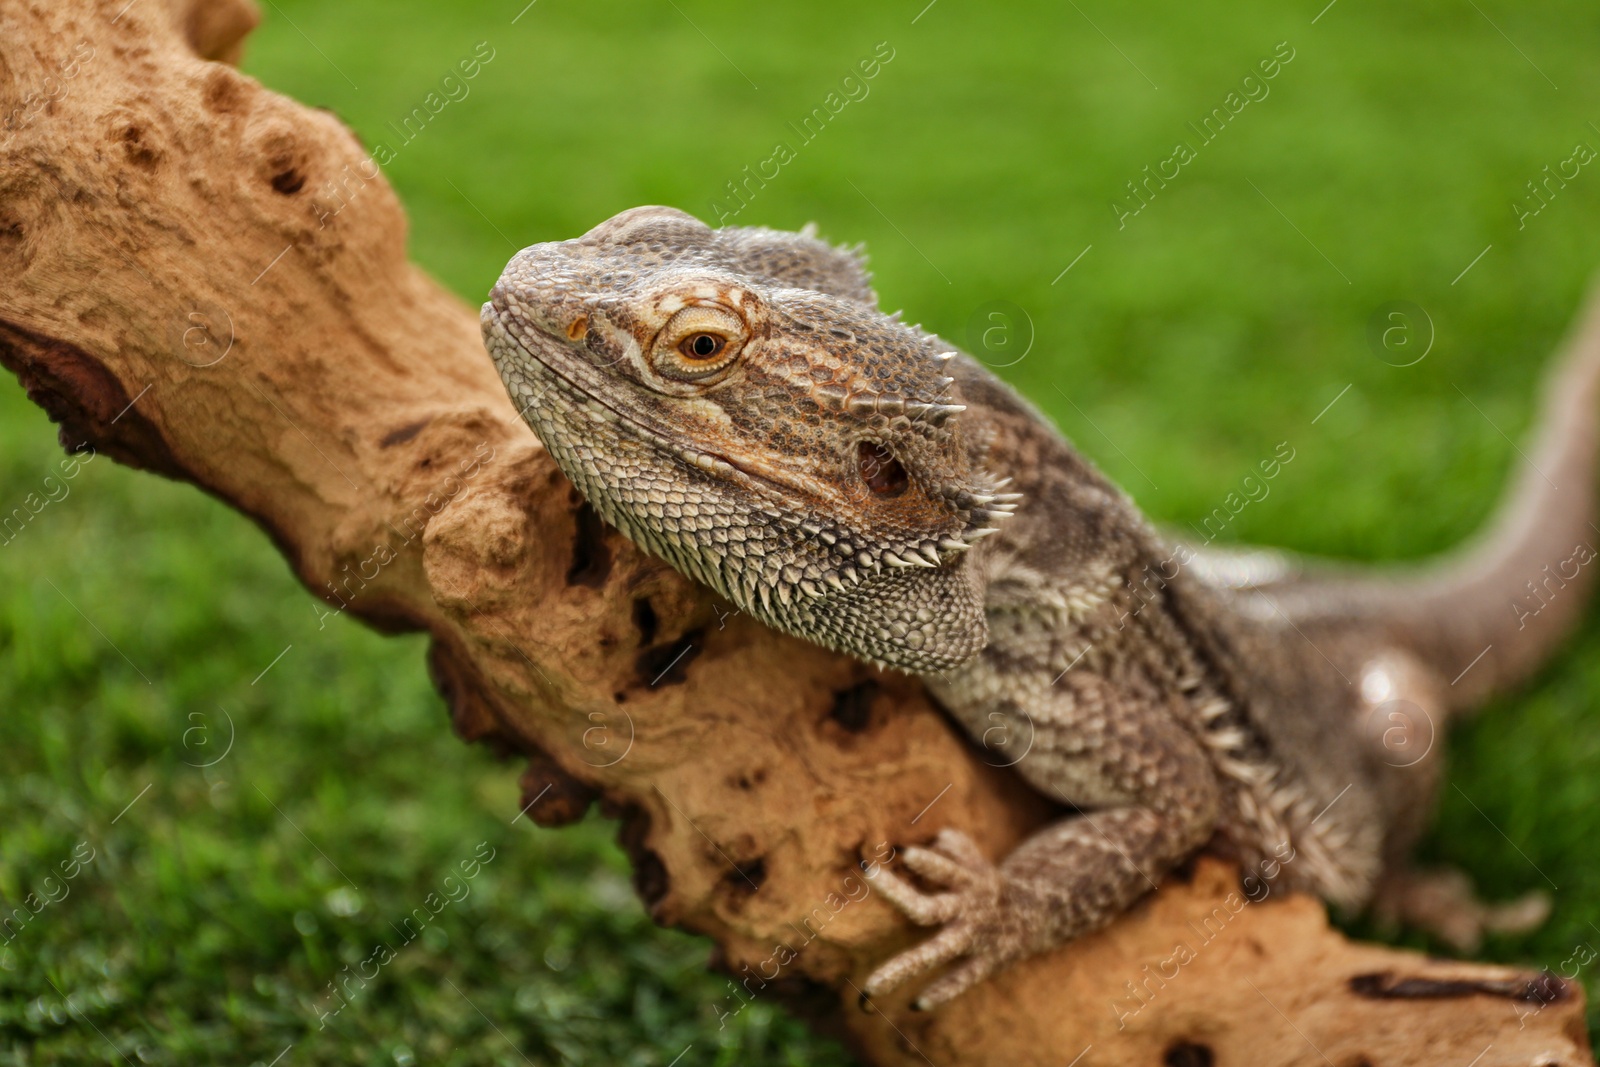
(735, 402)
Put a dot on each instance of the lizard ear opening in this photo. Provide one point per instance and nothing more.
(882, 473)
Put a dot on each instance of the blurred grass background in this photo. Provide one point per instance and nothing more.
(142, 624)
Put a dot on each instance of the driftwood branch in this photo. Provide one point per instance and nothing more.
(182, 295)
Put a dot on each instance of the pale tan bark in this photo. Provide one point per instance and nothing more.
(343, 400)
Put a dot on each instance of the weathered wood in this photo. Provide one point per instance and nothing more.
(182, 296)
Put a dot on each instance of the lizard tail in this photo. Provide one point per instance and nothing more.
(1486, 616)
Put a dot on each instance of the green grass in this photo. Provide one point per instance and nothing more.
(137, 617)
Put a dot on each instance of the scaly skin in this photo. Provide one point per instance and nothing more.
(734, 402)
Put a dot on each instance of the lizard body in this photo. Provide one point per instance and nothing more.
(735, 402)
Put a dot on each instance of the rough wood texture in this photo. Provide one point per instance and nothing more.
(181, 296)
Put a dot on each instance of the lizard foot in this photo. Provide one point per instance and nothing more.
(1444, 903)
(980, 920)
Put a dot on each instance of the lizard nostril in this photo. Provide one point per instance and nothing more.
(578, 329)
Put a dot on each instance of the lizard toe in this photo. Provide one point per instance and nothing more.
(950, 943)
(924, 909)
(972, 913)
(938, 868)
(960, 846)
(958, 981)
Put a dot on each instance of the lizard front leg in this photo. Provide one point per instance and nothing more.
(1148, 797)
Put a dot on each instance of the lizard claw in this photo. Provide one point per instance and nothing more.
(969, 908)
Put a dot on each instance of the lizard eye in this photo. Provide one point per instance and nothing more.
(698, 344)
(701, 345)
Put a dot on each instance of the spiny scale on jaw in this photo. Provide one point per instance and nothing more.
(755, 478)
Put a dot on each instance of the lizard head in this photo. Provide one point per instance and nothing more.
(735, 403)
